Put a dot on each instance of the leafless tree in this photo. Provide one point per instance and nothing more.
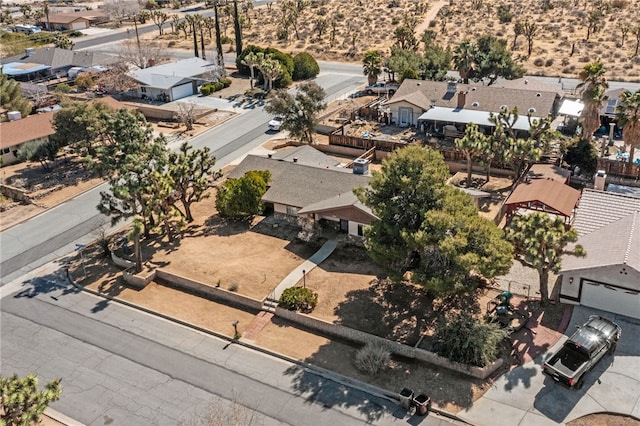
(116, 80)
(121, 9)
(187, 114)
(143, 56)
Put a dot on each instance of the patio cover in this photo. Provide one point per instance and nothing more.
(21, 68)
(466, 116)
(544, 195)
(571, 108)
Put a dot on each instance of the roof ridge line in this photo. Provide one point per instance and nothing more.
(636, 215)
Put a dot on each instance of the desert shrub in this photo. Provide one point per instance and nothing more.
(234, 286)
(373, 357)
(548, 62)
(226, 39)
(504, 14)
(584, 59)
(226, 82)
(305, 66)
(565, 62)
(619, 4)
(538, 62)
(298, 299)
(464, 339)
(63, 87)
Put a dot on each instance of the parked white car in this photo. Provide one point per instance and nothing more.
(381, 88)
(275, 124)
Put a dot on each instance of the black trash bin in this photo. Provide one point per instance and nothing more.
(423, 404)
(406, 398)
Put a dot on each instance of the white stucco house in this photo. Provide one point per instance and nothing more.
(608, 277)
(172, 81)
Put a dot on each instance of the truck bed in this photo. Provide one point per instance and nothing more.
(567, 361)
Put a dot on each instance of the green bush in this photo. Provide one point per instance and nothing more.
(205, 90)
(226, 82)
(299, 299)
(462, 338)
(305, 66)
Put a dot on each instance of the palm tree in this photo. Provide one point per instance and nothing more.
(372, 65)
(592, 89)
(464, 59)
(628, 114)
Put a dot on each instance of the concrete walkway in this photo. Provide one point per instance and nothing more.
(306, 266)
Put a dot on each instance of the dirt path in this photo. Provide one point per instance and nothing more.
(433, 12)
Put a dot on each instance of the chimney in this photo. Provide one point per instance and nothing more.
(462, 98)
(600, 180)
(270, 155)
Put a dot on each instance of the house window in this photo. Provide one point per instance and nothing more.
(360, 229)
(143, 89)
(292, 211)
(6, 150)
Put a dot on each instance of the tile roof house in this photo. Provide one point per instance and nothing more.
(459, 104)
(14, 134)
(172, 81)
(310, 192)
(608, 277)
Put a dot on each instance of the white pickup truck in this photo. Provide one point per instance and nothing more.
(381, 88)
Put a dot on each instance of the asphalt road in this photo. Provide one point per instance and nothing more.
(55, 232)
(123, 367)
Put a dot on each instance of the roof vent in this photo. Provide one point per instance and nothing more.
(503, 106)
(538, 94)
(475, 104)
(473, 89)
(532, 110)
(295, 159)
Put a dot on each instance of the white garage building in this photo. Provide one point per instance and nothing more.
(608, 277)
(172, 81)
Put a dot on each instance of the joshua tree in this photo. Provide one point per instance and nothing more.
(530, 30)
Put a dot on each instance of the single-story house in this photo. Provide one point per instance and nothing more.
(544, 195)
(308, 190)
(435, 104)
(51, 62)
(608, 277)
(66, 22)
(172, 81)
(14, 134)
(69, 21)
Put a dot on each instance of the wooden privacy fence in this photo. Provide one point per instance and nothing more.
(619, 168)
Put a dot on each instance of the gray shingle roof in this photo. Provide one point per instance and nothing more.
(306, 155)
(613, 244)
(347, 199)
(300, 185)
(166, 76)
(421, 93)
(600, 208)
(60, 58)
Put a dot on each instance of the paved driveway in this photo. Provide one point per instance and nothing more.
(525, 396)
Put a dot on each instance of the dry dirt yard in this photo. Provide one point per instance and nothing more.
(333, 30)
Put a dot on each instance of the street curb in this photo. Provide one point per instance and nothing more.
(330, 375)
(61, 418)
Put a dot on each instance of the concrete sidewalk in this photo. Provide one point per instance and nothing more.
(306, 266)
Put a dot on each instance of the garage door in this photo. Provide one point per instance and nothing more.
(182, 91)
(610, 298)
(79, 25)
